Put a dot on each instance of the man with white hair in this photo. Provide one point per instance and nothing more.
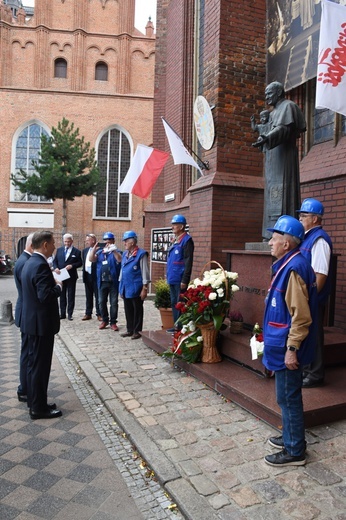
(289, 331)
(68, 257)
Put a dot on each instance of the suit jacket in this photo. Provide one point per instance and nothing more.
(40, 310)
(17, 278)
(85, 253)
(74, 259)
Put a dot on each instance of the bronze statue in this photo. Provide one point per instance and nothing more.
(282, 183)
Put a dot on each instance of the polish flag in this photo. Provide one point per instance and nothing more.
(146, 166)
(331, 70)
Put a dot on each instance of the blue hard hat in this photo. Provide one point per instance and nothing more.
(129, 234)
(179, 219)
(289, 225)
(108, 235)
(312, 206)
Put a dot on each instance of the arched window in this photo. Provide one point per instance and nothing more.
(113, 158)
(101, 71)
(60, 68)
(27, 149)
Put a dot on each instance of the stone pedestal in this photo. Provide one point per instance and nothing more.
(253, 268)
(6, 316)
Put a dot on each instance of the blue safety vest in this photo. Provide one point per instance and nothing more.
(277, 319)
(175, 261)
(131, 281)
(306, 247)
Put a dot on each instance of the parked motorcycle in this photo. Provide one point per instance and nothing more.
(6, 263)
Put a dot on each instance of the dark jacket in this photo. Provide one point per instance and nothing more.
(85, 253)
(24, 257)
(40, 310)
(74, 259)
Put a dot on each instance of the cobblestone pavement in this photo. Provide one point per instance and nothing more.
(206, 451)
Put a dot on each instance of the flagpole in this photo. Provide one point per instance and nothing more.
(204, 164)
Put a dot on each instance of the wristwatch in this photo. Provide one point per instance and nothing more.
(292, 349)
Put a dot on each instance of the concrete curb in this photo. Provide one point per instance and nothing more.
(189, 502)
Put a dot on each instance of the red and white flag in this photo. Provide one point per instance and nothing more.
(146, 166)
(331, 70)
(179, 152)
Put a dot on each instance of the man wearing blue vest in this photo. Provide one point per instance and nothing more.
(133, 288)
(317, 249)
(179, 262)
(289, 330)
(108, 263)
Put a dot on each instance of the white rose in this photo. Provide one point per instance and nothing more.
(212, 296)
(220, 292)
(199, 339)
(184, 329)
(235, 288)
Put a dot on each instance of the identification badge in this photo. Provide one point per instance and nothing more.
(104, 262)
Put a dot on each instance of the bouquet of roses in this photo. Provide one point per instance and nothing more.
(187, 344)
(207, 300)
(257, 342)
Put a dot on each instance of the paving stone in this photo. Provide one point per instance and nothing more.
(270, 490)
(203, 485)
(324, 476)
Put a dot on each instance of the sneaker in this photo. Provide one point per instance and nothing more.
(171, 331)
(114, 327)
(276, 442)
(282, 458)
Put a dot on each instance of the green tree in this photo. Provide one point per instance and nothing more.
(66, 168)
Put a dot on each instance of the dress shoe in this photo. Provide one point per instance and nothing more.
(126, 334)
(22, 397)
(311, 383)
(136, 335)
(114, 327)
(48, 414)
(103, 325)
(62, 316)
(283, 458)
(99, 318)
(70, 318)
(86, 317)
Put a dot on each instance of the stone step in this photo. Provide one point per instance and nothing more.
(255, 393)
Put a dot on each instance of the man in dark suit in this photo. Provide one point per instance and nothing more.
(68, 257)
(40, 321)
(90, 279)
(22, 391)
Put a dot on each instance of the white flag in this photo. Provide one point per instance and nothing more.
(331, 70)
(179, 152)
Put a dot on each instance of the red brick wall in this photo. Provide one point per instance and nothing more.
(223, 209)
(323, 176)
(28, 91)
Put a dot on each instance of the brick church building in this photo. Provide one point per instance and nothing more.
(228, 52)
(83, 60)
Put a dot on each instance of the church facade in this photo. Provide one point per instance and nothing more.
(82, 60)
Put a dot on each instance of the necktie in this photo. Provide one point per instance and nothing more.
(66, 249)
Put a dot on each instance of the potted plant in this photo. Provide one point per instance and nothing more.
(162, 301)
(236, 322)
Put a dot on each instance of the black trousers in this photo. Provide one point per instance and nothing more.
(67, 297)
(39, 365)
(23, 365)
(91, 292)
(134, 314)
